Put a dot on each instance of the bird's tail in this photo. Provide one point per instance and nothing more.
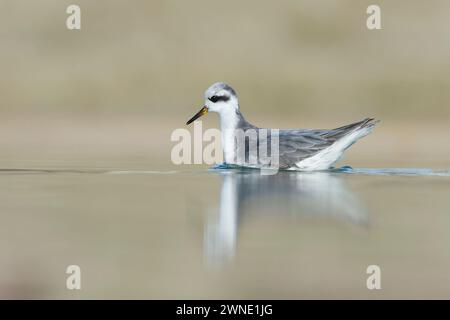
(364, 127)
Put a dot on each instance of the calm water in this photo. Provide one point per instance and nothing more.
(224, 233)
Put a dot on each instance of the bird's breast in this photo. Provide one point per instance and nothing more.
(228, 145)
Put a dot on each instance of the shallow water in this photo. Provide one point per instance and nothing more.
(224, 233)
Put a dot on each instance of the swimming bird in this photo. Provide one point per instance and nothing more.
(295, 149)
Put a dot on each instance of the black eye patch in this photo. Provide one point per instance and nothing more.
(218, 98)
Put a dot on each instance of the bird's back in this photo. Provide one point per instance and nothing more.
(306, 149)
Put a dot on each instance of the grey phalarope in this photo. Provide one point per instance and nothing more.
(298, 149)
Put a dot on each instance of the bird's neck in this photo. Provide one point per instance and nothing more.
(229, 122)
(229, 119)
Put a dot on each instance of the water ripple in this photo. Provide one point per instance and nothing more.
(394, 171)
(366, 171)
(223, 167)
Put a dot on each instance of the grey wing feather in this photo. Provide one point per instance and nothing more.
(298, 144)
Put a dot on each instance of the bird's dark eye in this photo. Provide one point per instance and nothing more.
(214, 99)
(219, 98)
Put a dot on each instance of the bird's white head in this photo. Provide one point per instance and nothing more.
(220, 98)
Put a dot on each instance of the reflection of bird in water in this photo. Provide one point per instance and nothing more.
(319, 194)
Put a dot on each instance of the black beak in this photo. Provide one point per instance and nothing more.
(198, 115)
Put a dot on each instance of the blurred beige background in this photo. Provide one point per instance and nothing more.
(111, 94)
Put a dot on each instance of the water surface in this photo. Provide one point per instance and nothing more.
(224, 233)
